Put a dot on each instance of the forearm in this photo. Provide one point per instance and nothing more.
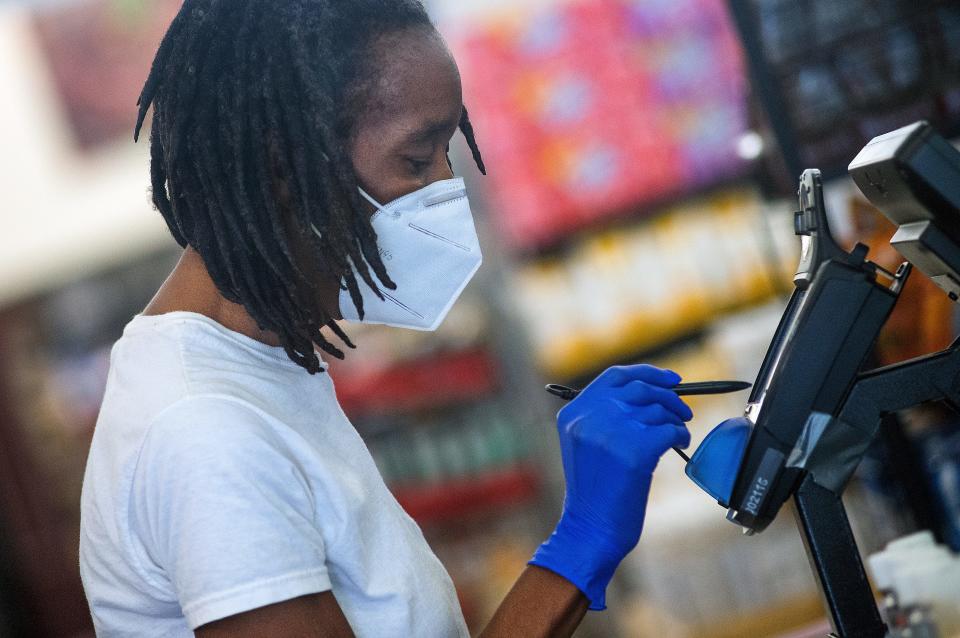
(540, 603)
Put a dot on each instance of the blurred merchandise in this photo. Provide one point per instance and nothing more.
(730, 586)
(422, 383)
(919, 582)
(454, 466)
(634, 289)
(923, 321)
(404, 364)
(941, 455)
(932, 436)
(102, 43)
(833, 75)
(69, 211)
(593, 108)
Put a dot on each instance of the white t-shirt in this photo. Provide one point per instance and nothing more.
(223, 477)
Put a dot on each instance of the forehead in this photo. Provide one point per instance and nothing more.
(416, 83)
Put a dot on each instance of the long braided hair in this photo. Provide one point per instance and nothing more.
(249, 94)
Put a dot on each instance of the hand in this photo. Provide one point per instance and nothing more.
(611, 437)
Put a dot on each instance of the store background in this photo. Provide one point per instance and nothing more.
(637, 209)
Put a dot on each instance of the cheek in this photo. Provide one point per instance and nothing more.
(363, 161)
(366, 152)
(380, 171)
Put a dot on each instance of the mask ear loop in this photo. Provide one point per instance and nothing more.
(367, 197)
(343, 285)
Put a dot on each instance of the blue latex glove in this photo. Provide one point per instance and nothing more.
(714, 466)
(611, 437)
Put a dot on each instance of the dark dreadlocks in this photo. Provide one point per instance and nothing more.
(251, 93)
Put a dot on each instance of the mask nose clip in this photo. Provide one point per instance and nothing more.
(443, 198)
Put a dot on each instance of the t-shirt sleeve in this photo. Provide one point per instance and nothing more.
(224, 510)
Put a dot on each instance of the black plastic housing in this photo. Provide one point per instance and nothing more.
(827, 331)
(837, 321)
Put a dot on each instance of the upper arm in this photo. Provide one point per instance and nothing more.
(312, 616)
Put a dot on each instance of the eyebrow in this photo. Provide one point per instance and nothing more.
(429, 131)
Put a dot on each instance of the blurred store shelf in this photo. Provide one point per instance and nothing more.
(556, 90)
(470, 497)
(437, 381)
(649, 619)
(621, 293)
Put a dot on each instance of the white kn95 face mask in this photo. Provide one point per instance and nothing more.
(429, 246)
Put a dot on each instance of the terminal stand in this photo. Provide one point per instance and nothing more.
(820, 514)
(836, 562)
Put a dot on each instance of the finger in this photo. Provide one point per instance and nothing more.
(618, 376)
(682, 439)
(640, 393)
(654, 414)
(667, 435)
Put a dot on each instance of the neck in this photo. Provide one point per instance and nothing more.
(189, 288)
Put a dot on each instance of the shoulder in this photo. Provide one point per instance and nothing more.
(214, 360)
(205, 427)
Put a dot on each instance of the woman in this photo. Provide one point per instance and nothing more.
(299, 155)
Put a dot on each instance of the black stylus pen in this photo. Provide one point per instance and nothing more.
(683, 389)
